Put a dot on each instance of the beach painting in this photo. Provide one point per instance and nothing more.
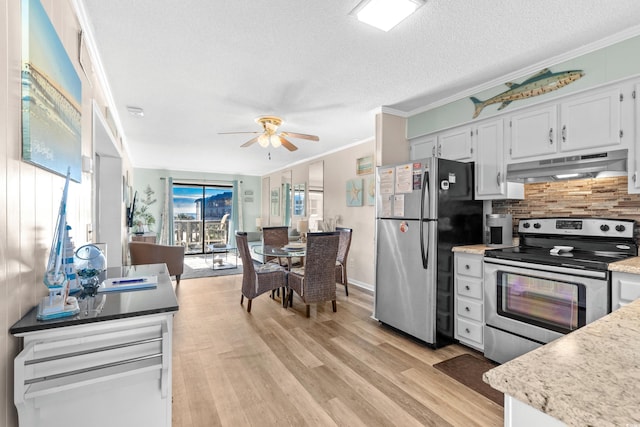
(51, 97)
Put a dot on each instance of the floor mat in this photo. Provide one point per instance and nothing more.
(468, 369)
(196, 266)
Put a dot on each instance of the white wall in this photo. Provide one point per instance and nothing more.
(339, 167)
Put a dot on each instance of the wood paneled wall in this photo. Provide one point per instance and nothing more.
(30, 196)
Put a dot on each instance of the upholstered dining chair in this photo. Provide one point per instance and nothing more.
(341, 260)
(275, 236)
(257, 280)
(316, 281)
(151, 253)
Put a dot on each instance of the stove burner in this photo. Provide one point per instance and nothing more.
(590, 246)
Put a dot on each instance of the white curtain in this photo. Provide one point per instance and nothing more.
(166, 231)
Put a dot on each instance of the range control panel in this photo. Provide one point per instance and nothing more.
(597, 227)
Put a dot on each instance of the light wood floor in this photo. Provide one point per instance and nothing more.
(274, 367)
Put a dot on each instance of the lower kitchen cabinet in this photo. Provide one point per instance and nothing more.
(625, 288)
(469, 319)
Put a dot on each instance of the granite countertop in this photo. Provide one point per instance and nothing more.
(471, 249)
(481, 248)
(112, 305)
(629, 265)
(588, 377)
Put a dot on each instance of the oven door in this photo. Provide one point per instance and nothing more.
(541, 302)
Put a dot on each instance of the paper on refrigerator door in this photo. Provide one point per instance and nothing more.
(386, 206)
(404, 178)
(398, 205)
(387, 181)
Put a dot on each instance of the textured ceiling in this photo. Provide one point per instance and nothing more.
(201, 67)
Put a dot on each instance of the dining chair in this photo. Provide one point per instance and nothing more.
(275, 236)
(343, 253)
(257, 280)
(151, 253)
(315, 282)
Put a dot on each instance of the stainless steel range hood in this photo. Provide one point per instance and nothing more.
(611, 163)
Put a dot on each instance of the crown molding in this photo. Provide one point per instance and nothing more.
(583, 50)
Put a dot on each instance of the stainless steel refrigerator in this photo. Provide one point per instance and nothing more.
(423, 209)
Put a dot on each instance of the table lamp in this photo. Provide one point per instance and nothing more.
(303, 228)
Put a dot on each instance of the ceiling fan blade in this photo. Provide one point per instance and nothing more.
(301, 136)
(287, 144)
(231, 133)
(251, 141)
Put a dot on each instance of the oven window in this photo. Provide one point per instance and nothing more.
(551, 304)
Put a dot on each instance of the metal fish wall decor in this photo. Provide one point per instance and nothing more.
(543, 82)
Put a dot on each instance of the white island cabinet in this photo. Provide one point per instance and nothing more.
(110, 365)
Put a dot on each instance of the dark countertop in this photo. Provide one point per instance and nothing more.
(115, 305)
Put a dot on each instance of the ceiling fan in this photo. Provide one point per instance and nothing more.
(269, 134)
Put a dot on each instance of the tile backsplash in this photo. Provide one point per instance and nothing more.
(602, 197)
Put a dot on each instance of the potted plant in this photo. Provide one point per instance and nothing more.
(142, 216)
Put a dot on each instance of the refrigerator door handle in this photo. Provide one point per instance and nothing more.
(425, 196)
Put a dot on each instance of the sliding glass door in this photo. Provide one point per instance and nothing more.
(201, 215)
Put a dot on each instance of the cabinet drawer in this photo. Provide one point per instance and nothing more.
(470, 309)
(469, 265)
(471, 288)
(469, 330)
(629, 290)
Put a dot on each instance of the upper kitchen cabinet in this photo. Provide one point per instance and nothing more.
(634, 152)
(580, 123)
(533, 132)
(591, 121)
(491, 169)
(456, 144)
(423, 147)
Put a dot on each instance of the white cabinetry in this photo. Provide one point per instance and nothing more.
(469, 319)
(456, 144)
(625, 288)
(534, 132)
(581, 123)
(634, 160)
(423, 147)
(491, 169)
(122, 366)
(591, 121)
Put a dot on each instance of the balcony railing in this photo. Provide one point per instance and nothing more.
(188, 233)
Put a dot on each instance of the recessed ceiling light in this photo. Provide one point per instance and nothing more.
(385, 14)
(135, 111)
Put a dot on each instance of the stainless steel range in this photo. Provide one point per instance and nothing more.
(554, 282)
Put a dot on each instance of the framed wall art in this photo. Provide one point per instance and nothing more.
(370, 190)
(51, 97)
(364, 165)
(354, 192)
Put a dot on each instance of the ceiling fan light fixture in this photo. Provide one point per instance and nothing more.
(263, 140)
(385, 14)
(275, 141)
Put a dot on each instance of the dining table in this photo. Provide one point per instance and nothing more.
(288, 252)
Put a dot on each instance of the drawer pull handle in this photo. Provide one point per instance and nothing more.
(466, 267)
(467, 309)
(467, 330)
(467, 287)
